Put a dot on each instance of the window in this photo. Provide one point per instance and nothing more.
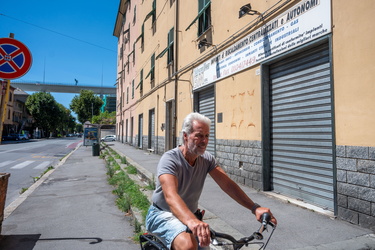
(127, 95)
(203, 17)
(151, 74)
(204, 22)
(135, 16)
(140, 84)
(152, 13)
(133, 89)
(169, 47)
(126, 35)
(141, 36)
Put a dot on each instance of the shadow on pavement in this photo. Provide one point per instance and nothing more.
(28, 242)
(19, 242)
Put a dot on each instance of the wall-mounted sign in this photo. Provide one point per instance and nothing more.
(304, 22)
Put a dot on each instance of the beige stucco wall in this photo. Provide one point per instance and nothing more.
(354, 72)
(238, 97)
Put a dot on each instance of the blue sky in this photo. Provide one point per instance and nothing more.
(68, 40)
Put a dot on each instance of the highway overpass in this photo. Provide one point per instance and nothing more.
(62, 88)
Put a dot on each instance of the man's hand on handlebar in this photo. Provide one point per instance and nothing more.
(201, 230)
(261, 210)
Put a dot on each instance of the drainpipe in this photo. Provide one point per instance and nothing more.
(175, 70)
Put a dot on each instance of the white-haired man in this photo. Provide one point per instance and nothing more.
(181, 174)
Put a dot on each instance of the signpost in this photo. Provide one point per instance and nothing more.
(15, 61)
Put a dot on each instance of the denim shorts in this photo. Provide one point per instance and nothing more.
(164, 225)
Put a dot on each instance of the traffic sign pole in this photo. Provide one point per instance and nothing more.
(15, 61)
(4, 104)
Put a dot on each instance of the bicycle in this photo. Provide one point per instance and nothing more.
(148, 241)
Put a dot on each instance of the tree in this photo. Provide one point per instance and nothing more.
(67, 123)
(105, 118)
(44, 109)
(86, 105)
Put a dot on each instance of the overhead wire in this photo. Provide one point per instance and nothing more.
(59, 33)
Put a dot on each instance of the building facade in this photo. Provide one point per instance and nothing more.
(286, 83)
(17, 119)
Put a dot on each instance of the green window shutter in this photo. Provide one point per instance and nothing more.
(152, 70)
(170, 45)
(133, 89)
(141, 36)
(152, 13)
(202, 7)
(140, 84)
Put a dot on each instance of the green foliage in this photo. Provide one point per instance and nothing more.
(79, 127)
(86, 105)
(48, 114)
(105, 118)
(124, 160)
(66, 122)
(44, 109)
(131, 169)
(128, 193)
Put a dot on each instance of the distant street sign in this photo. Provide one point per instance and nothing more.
(15, 58)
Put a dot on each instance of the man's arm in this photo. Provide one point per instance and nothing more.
(237, 194)
(178, 207)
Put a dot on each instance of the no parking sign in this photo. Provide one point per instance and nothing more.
(15, 58)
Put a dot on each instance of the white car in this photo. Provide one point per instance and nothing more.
(109, 138)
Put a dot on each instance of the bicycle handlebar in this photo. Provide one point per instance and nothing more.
(265, 221)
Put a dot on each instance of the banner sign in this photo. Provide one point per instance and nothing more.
(304, 22)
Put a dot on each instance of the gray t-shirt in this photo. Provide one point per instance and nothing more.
(190, 178)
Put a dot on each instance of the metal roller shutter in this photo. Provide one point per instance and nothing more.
(207, 107)
(302, 127)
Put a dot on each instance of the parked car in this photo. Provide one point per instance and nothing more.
(109, 138)
(15, 137)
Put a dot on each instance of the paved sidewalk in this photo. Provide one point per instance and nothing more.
(298, 228)
(71, 207)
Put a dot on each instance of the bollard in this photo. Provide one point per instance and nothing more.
(95, 149)
(3, 193)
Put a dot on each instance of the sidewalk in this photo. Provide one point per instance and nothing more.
(298, 228)
(72, 207)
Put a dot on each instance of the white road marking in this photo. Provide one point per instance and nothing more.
(22, 165)
(43, 165)
(5, 163)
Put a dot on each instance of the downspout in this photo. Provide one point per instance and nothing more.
(176, 78)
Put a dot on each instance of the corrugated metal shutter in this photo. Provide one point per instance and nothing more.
(302, 127)
(207, 107)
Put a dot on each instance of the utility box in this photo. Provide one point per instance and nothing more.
(95, 149)
(3, 193)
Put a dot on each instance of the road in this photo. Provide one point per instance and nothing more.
(28, 160)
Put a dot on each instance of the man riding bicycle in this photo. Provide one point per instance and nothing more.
(181, 174)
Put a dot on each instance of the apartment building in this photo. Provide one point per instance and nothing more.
(287, 84)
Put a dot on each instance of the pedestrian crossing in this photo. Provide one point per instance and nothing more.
(24, 164)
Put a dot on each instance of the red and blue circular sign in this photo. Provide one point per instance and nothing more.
(15, 58)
